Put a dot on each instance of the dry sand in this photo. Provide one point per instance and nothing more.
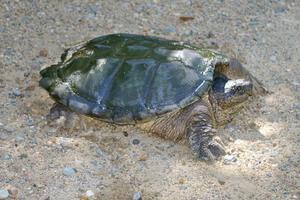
(264, 138)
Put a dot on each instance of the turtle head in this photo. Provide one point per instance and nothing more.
(232, 86)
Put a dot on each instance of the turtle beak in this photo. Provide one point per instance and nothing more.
(238, 87)
(258, 87)
(236, 72)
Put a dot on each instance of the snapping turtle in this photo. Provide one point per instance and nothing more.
(167, 87)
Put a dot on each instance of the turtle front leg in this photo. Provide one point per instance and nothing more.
(193, 123)
(201, 136)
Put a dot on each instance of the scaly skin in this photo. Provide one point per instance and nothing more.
(194, 124)
(201, 134)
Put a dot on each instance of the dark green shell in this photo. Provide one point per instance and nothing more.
(124, 78)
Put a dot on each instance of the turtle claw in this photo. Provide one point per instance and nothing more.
(213, 151)
(206, 155)
(216, 146)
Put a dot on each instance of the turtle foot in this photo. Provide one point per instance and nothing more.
(214, 150)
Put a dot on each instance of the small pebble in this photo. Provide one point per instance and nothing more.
(253, 22)
(285, 193)
(221, 181)
(23, 155)
(181, 181)
(3, 194)
(89, 193)
(273, 58)
(84, 197)
(26, 74)
(93, 8)
(94, 162)
(298, 116)
(99, 152)
(43, 53)
(274, 153)
(284, 167)
(183, 187)
(65, 142)
(187, 33)
(137, 196)
(143, 157)
(210, 35)
(214, 44)
(34, 142)
(269, 174)
(29, 121)
(280, 10)
(2, 83)
(114, 170)
(5, 157)
(229, 158)
(295, 83)
(3, 136)
(170, 29)
(125, 133)
(13, 102)
(69, 171)
(135, 141)
(9, 128)
(186, 18)
(19, 139)
(16, 92)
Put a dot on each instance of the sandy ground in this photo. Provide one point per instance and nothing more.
(264, 138)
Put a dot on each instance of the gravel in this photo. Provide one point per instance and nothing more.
(99, 152)
(273, 58)
(3, 136)
(9, 128)
(16, 92)
(5, 157)
(183, 187)
(263, 35)
(19, 139)
(229, 158)
(69, 171)
(137, 196)
(90, 193)
(135, 141)
(170, 29)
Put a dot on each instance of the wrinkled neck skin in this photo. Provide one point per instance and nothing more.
(222, 115)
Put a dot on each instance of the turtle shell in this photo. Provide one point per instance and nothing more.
(125, 78)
